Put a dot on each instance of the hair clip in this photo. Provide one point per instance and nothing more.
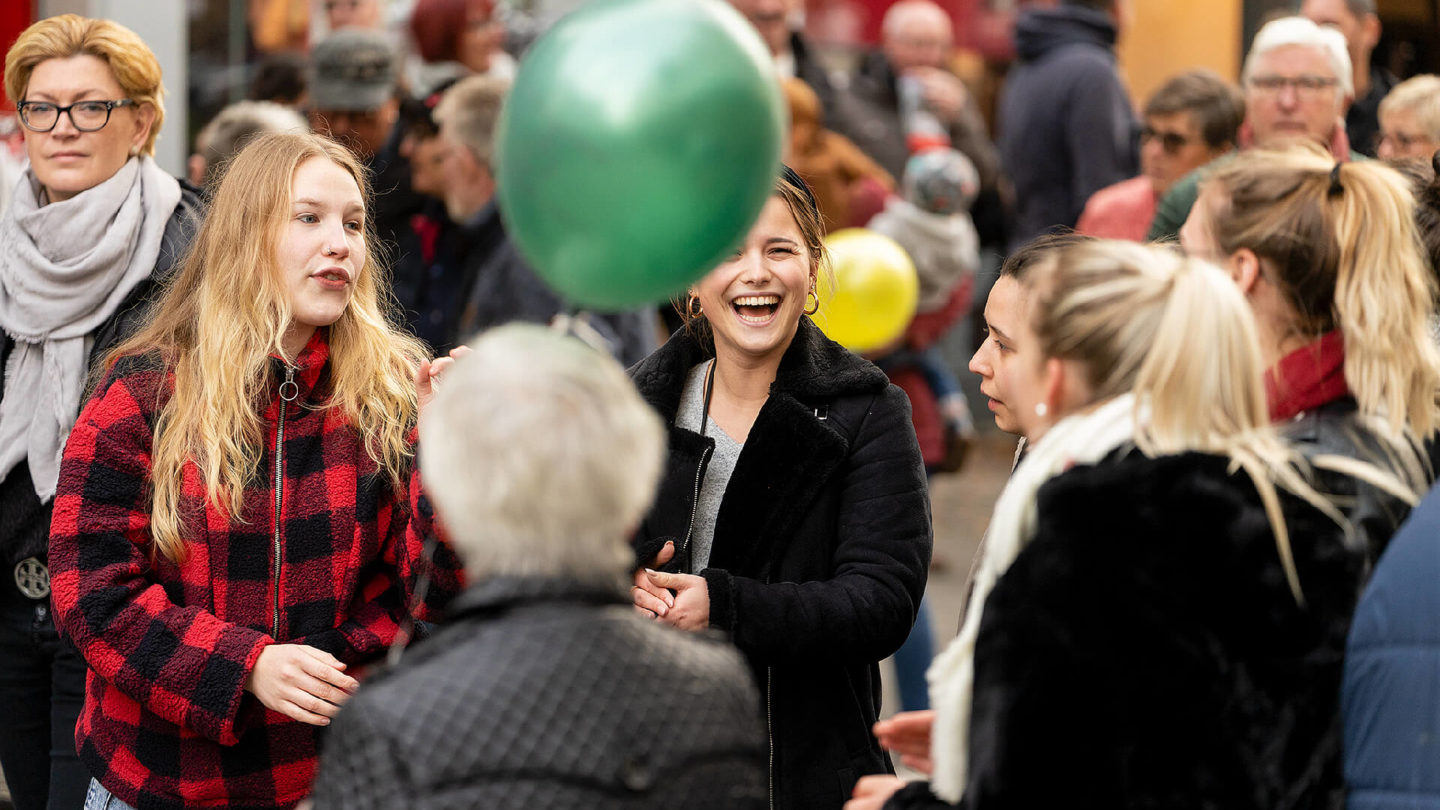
(1336, 188)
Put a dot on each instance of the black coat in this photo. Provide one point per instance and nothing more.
(24, 520)
(821, 549)
(1067, 128)
(1145, 651)
(549, 694)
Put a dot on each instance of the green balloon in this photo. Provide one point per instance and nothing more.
(638, 144)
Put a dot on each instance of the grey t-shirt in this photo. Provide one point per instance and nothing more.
(717, 472)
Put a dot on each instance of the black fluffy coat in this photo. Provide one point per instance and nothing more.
(1145, 650)
(821, 549)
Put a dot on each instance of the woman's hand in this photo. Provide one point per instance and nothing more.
(691, 607)
(908, 734)
(651, 600)
(300, 682)
(871, 792)
(427, 376)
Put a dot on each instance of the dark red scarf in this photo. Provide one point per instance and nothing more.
(1308, 377)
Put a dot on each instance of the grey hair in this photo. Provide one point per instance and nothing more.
(236, 125)
(469, 111)
(541, 458)
(1419, 95)
(1288, 31)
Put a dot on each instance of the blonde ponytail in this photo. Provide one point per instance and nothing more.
(1178, 334)
(1339, 241)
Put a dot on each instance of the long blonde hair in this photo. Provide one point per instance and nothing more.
(226, 312)
(1177, 333)
(1340, 242)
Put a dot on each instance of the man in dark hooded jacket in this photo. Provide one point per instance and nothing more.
(1067, 128)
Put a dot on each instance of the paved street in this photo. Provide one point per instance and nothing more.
(961, 505)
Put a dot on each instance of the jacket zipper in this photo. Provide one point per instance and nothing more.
(770, 738)
(694, 507)
(287, 387)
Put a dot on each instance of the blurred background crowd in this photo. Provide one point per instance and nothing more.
(961, 129)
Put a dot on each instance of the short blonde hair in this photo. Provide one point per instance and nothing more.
(1420, 95)
(131, 61)
(541, 458)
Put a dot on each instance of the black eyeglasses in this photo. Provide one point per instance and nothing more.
(1171, 142)
(87, 116)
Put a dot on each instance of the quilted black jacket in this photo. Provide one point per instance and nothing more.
(549, 694)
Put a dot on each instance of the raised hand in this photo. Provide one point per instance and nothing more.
(428, 375)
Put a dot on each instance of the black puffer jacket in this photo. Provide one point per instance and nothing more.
(820, 554)
(1145, 650)
(24, 520)
(550, 694)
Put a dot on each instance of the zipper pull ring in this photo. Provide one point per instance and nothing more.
(289, 390)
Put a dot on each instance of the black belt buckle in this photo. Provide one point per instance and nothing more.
(32, 577)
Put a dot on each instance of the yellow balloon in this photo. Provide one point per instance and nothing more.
(875, 290)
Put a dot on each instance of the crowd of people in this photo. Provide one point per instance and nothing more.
(303, 504)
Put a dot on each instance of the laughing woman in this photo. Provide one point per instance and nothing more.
(238, 522)
(793, 513)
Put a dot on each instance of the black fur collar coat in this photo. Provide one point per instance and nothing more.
(1145, 651)
(822, 545)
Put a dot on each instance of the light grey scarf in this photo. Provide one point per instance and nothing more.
(64, 270)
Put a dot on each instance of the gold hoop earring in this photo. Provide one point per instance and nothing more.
(811, 310)
(692, 306)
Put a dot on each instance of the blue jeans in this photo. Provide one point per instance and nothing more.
(100, 799)
(913, 659)
(42, 688)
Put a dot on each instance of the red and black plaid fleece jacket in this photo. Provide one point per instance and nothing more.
(167, 722)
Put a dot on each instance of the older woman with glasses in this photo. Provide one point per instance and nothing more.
(1410, 119)
(93, 226)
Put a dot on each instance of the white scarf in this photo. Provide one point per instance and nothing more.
(1080, 439)
(65, 268)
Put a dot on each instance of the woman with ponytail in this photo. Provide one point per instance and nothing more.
(238, 523)
(1330, 260)
(1159, 616)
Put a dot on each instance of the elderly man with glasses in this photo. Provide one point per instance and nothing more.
(1191, 120)
(1298, 84)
